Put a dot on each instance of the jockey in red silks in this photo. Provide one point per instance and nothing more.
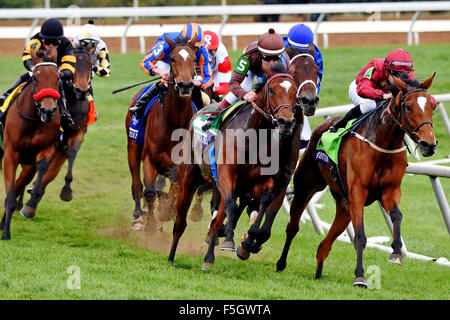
(372, 84)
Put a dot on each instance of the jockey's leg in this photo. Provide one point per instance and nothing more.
(140, 105)
(66, 118)
(197, 97)
(354, 113)
(23, 78)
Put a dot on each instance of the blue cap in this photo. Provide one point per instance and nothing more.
(300, 36)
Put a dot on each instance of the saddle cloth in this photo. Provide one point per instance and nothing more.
(330, 143)
(8, 100)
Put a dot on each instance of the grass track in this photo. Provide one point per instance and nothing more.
(92, 232)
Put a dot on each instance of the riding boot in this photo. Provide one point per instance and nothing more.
(197, 98)
(66, 118)
(140, 105)
(23, 78)
(354, 113)
(222, 106)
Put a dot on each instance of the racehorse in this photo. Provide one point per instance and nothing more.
(305, 72)
(272, 111)
(372, 168)
(163, 118)
(31, 131)
(75, 93)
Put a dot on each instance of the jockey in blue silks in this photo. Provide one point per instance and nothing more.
(156, 61)
(299, 38)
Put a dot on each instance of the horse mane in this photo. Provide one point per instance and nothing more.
(182, 41)
(277, 68)
(292, 52)
(410, 82)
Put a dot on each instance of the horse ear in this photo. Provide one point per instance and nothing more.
(169, 42)
(267, 70)
(427, 83)
(311, 48)
(399, 83)
(193, 41)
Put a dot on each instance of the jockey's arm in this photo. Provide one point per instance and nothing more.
(205, 64)
(34, 44)
(103, 67)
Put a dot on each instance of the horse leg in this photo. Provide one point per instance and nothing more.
(25, 177)
(10, 166)
(197, 210)
(231, 209)
(150, 175)
(29, 209)
(341, 221)
(186, 190)
(134, 164)
(72, 151)
(216, 223)
(360, 240)
(389, 201)
(249, 245)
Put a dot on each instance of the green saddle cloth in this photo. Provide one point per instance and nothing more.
(330, 142)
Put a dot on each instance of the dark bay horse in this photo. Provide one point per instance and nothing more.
(75, 93)
(372, 165)
(163, 118)
(305, 73)
(31, 132)
(270, 121)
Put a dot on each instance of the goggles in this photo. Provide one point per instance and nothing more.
(271, 58)
(88, 43)
(48, 42)
(400, 65)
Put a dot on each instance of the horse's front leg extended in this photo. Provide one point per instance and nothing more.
(389, 202)
(29, 210)
(10, 166)
(72, 151)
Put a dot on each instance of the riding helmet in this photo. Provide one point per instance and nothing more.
(300, 36)
(52, 29)
(211, 39)
(271, 43)
(399, 60)
(89, 32)
(190, 30)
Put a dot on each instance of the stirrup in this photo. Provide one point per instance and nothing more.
(333, 129)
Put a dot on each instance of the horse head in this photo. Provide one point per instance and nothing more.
(45, 81)
(305, 72)
(412, 110)
(82, 75)
(182, 65)
(278, 97)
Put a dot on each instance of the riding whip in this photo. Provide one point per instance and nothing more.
(135, 85)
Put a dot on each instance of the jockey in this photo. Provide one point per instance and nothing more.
(372, 84)
(157, 62)
(89, 39)
(221, 62)
(50, 36)
(269, 49)
(298, 39)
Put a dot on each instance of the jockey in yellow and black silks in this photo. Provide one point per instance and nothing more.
(51, 35)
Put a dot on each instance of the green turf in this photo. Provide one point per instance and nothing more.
(92, 232)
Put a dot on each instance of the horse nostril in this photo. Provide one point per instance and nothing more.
(281, 122)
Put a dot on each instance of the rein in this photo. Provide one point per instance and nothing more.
(410, 132)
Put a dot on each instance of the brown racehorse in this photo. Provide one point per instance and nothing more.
(272, 111)
(163, 118)
(31, 131)
(305, 72)
(372, 168)
(75, 93)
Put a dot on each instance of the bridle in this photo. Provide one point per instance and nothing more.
(410, 132)
(298, 97)
(272, 111)
(174, 81)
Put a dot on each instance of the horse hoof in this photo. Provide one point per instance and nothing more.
(138, 224)
(28, 212)
(228, 246)
(196, 215)
(207, 266)
(281, 265)
(396, 258)
(66, 195)
(242, 253)
(6, 236)
(360, 282)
